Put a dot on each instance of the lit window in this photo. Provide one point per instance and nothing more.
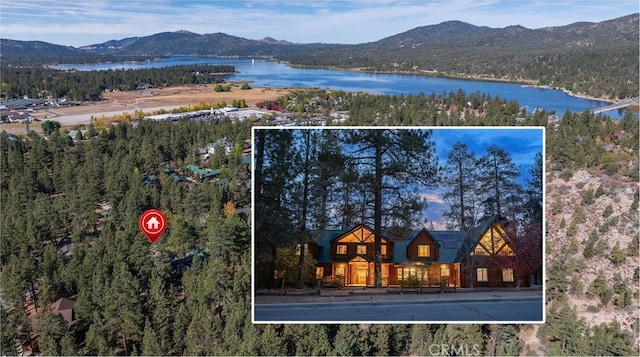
(444, 270)
(319, 272)
(341, 249)
(408, 272)
(306, 249)
(383, 250)
(507, 275)
(506, 250)
(362, 249)
(340, 270)
(482, 274)
(424, 250)
(480, 250)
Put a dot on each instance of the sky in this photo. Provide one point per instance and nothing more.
(79, 23)
(522, 144)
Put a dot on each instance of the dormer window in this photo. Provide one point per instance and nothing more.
(424, 250)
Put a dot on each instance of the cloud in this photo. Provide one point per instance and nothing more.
(431, 198)
(297, 21)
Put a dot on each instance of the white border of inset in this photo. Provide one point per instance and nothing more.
(542, 130)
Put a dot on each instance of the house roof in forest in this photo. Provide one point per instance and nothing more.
(64, 307)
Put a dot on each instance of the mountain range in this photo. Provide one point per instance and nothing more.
(597, 59)
(615, 33)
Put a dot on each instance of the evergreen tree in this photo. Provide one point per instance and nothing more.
(274, 175)
(394, 163)
(618, 255)
(53, 332)
(609, 339)
(459, 179)
(272, 342)
(564, 333)
(503, 340)
(346, 341)
(534, 190)
(498, 176)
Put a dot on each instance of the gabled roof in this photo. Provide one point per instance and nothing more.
(63, 307)
(473, 237)
(62, 304)
(323, 239)
(454, 245)
(361, 227)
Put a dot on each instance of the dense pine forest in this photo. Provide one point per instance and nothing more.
(190, 293)
(38, 81)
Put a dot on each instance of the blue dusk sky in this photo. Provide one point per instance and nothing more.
(522, 144)
(80, 23)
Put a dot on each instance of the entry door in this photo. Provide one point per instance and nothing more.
(361, 275)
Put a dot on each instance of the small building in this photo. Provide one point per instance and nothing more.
(64, 246)
(64, 307)
(204, 174)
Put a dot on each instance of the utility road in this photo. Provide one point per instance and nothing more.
(488, 311)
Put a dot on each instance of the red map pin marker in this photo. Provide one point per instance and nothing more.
(153, 223)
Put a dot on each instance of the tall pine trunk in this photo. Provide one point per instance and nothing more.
(378, 214)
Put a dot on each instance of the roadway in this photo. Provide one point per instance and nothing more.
(615, 106)
(85, 118)
(525, 309)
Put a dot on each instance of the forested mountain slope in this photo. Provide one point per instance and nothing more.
(582, 57)
(130, 299)
(596, 59)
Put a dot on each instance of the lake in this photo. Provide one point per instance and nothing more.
(261, 73)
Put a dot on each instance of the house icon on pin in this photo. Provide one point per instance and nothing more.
(153, 223)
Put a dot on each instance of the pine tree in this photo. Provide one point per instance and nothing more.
(51, 329)
(564, 332)
(346, 341)
(274, 175)
(534, 190)
(498, 176)
(610, 340)
(272, 342)
(503, 340)
(459, 179)
(421, 339)
(618, 255)
(393, 163)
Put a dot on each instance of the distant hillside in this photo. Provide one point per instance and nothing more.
(13, 48)
(189, 43)
(599, 59)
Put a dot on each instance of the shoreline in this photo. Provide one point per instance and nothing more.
(528, 83)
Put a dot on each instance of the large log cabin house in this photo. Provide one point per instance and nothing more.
(481, 257)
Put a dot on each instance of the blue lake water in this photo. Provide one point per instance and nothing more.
(277, 75)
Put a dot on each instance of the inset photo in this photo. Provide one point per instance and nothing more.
(398, 225)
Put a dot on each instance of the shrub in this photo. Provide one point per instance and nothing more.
(608, 211)
(576, 287)
(618, 255)
(593, 309)
(411, 282)
(587, 197)
(566, 174)
(612, 168)
(556, 208)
